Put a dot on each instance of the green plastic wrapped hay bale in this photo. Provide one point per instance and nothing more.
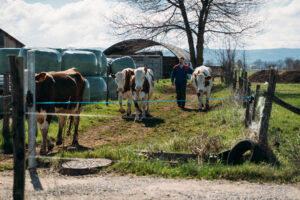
(103, 61)
(87, 92)
(84, 61)
(112, 87)
(23, 53)
(47, 60)
(60, 50)
(97, 88)
(4, 52)
(101, 58)
(119, 64)
(1, 105)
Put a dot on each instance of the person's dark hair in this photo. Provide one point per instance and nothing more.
(181, 58)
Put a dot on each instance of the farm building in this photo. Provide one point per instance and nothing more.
(161, 65)
(7, 41)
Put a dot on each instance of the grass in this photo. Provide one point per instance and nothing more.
(173, 130)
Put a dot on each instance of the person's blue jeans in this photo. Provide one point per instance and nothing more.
(180, 95)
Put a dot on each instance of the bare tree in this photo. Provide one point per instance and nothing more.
(197, 20)
(227, 59)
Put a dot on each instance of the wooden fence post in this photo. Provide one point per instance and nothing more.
(18, 125)
(263, 131)
(6, 130)
(245, 78)
(234, 80)
(247, 112)
(240, 85)
(255, 101)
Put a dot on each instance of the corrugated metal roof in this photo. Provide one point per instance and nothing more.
(130, 47)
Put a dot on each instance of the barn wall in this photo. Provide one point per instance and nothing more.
(168, 64)
(1, 39)
(10, 42)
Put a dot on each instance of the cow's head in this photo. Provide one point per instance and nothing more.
(122, 78)
(120, 81)
(139, 74)
(202, 81)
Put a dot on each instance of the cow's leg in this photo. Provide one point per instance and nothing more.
(61, 121)
(144, 107)
(75, 136)
(44, 127)
(148, 110)
(70, 125)
(200, 100)
(207, 99)
(120, 98)
(137, 109)
(129, 106)
(147, 107)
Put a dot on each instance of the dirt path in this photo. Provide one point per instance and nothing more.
(112, 186)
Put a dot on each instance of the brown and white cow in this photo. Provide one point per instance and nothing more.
(202, 82)
(142, 88)
(122, 80)
(63, 86)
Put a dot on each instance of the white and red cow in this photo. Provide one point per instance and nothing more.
(64, 86)
(142, 88)
(202, 82)
(122, 80)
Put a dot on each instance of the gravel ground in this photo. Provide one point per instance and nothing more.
(114, 186)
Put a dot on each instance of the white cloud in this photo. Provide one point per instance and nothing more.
(281, 25)
(79, 24)
(84, 24)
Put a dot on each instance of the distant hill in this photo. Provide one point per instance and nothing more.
(265, 55)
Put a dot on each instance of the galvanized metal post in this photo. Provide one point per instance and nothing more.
(32, 126)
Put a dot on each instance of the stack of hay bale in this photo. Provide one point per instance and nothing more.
(91, 63)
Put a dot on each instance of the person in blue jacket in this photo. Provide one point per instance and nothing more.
(179, 73)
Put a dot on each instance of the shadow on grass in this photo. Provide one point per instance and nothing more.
(70, 148)
(150, 121)
(211, 108)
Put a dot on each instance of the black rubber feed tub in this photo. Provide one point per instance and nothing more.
(236, 155)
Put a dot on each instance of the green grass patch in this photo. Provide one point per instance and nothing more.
(172, 130)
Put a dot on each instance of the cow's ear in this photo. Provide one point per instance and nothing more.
(131, 72)
(112, 75)
(41, 77)
(208, 78)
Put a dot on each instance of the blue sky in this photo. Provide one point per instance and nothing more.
(85, 23)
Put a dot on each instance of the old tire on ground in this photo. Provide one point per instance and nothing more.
(236, 154)
(84, 166)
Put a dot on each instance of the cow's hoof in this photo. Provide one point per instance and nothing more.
(43, 152)
(122, 110)
(75, 143)
(50, 147)
(58, 142)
